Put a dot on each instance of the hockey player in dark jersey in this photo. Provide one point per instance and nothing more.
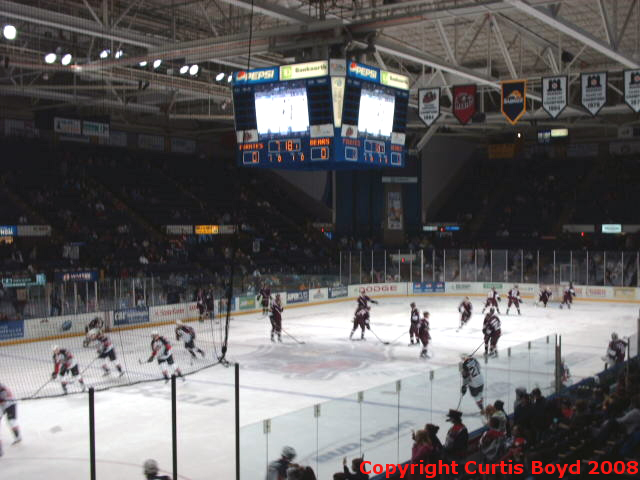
(106, 350)
(492, 300)
(8, 407)
(161, 351)
(94, 327)
(514, 299)
(63, 363)
(544, 296)
(209, 302)
(151, 471)
(264, 297)
(188, 335)
(465, 308)
(275, 317)
(615, 351)
(491, 330)
(200, 304)
(415, 320)
(423, 334)
(567, 296)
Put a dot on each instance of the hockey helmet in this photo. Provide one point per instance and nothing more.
(425, 314)
(362, 290)
(515, 286)
(150, 467)
(55, 349)
(278, 299)
(179, 323)
(413, 305)
(466, 299)
(155, 334)
(614, 336)
(289, 453)
(93, 333)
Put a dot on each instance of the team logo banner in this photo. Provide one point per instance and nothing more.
(554, 95)
(429, 105)
(594, 91)
(514, 100)
(464, 102)
(632, 89)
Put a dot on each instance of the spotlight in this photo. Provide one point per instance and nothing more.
(119, 54)
(9, 32)
(66, 59)
(519, 135)
(143, 63)
(50, 58)
(220, 76)
(105, 53)
(193, 70)
(184, 69)
(157, 63)
(229, 78)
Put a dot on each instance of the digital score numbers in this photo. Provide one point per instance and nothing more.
(286, 151)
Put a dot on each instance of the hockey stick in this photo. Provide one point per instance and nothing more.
(293, 338)
(43, 385)
(477, 348)
(87, 367)
(398, 338)
(379, 339)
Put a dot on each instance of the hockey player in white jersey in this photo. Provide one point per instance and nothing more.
(8, 407)
(472, 379)
(161, 351)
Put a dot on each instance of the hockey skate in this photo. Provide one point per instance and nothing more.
(412, 343)
(16, 440)
(279, 338)
(106, 372)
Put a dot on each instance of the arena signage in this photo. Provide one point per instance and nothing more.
(304, 70)
(11, 330)
(246, 303)
(514, 100)
(428, 287)
(554, 95)
(594, 91)
(261, 75)
(131, 316)
(363, 72)
(298, 296)
(82, 276)
(632, 89)
(429, 105)
(337, 292)
(464, 102)
(626, 293)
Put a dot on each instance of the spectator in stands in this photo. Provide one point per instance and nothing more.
(455, 446)
(432, 430)
(297, 472)
(151, 471)
(355, 467)
(492, 442)
(277, 470)
(501, 415)
(631, 420)
(422, 448)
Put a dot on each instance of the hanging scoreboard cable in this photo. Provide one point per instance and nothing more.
(320, 115)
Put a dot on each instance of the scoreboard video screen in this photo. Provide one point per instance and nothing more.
(320, 115)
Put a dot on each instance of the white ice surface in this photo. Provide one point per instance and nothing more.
(133, 423)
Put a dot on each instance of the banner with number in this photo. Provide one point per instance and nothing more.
(554, 95)
(514, 100)
(429, 105)
(594, 91)
(632, 89)
(464, 102)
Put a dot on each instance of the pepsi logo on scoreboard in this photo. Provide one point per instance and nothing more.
(261, 75)
(363, 72)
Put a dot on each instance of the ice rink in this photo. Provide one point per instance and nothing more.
(133, 423)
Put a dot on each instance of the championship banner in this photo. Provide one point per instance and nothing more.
(632, 89)
(594, 91)
(394, 210)
(464, 102)
(554, 95)
(514, 100)
(429, 105)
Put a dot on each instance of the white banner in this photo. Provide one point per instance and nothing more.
(594, 91)
(429, 105)
(632, 89)
(171, 313)
(554, 95)
(377, 289)
(151, 142)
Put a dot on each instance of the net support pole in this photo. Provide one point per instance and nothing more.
(174, 427)
(92, 434)
(421, 265)
(587, 267)
(237, 406)
(558, 369)
(372, 280)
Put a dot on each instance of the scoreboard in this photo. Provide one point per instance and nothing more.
(328, 115)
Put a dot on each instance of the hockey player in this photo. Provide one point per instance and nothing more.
(161, 350)
(514, 299)
(209, 302)
(92, 329)
(264, 297)
(567, 296)
(615, 351)
(544, 296)
(492, 300)
(465, 308)
(150, 469)
(415, 320)
(200, 304)
(106, 350)
(491, 329)
(423, 334)
(277, 470)
(188, 335)
(63, 363)
(275, 317)
(472, 379)
(8, 407)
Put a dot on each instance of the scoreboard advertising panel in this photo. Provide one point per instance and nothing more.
(323, 115)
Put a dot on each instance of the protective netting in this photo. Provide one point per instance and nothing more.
(26, 364)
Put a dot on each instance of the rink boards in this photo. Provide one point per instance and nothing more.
(49, 328)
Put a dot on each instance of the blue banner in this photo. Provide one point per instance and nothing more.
(8, 230)
(428, 287)
(363, 72)
(131, 316)
(12, 329)
(78, 276)
(298, 296)
(337, 292)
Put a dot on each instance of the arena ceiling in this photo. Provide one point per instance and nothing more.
(435, 42)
